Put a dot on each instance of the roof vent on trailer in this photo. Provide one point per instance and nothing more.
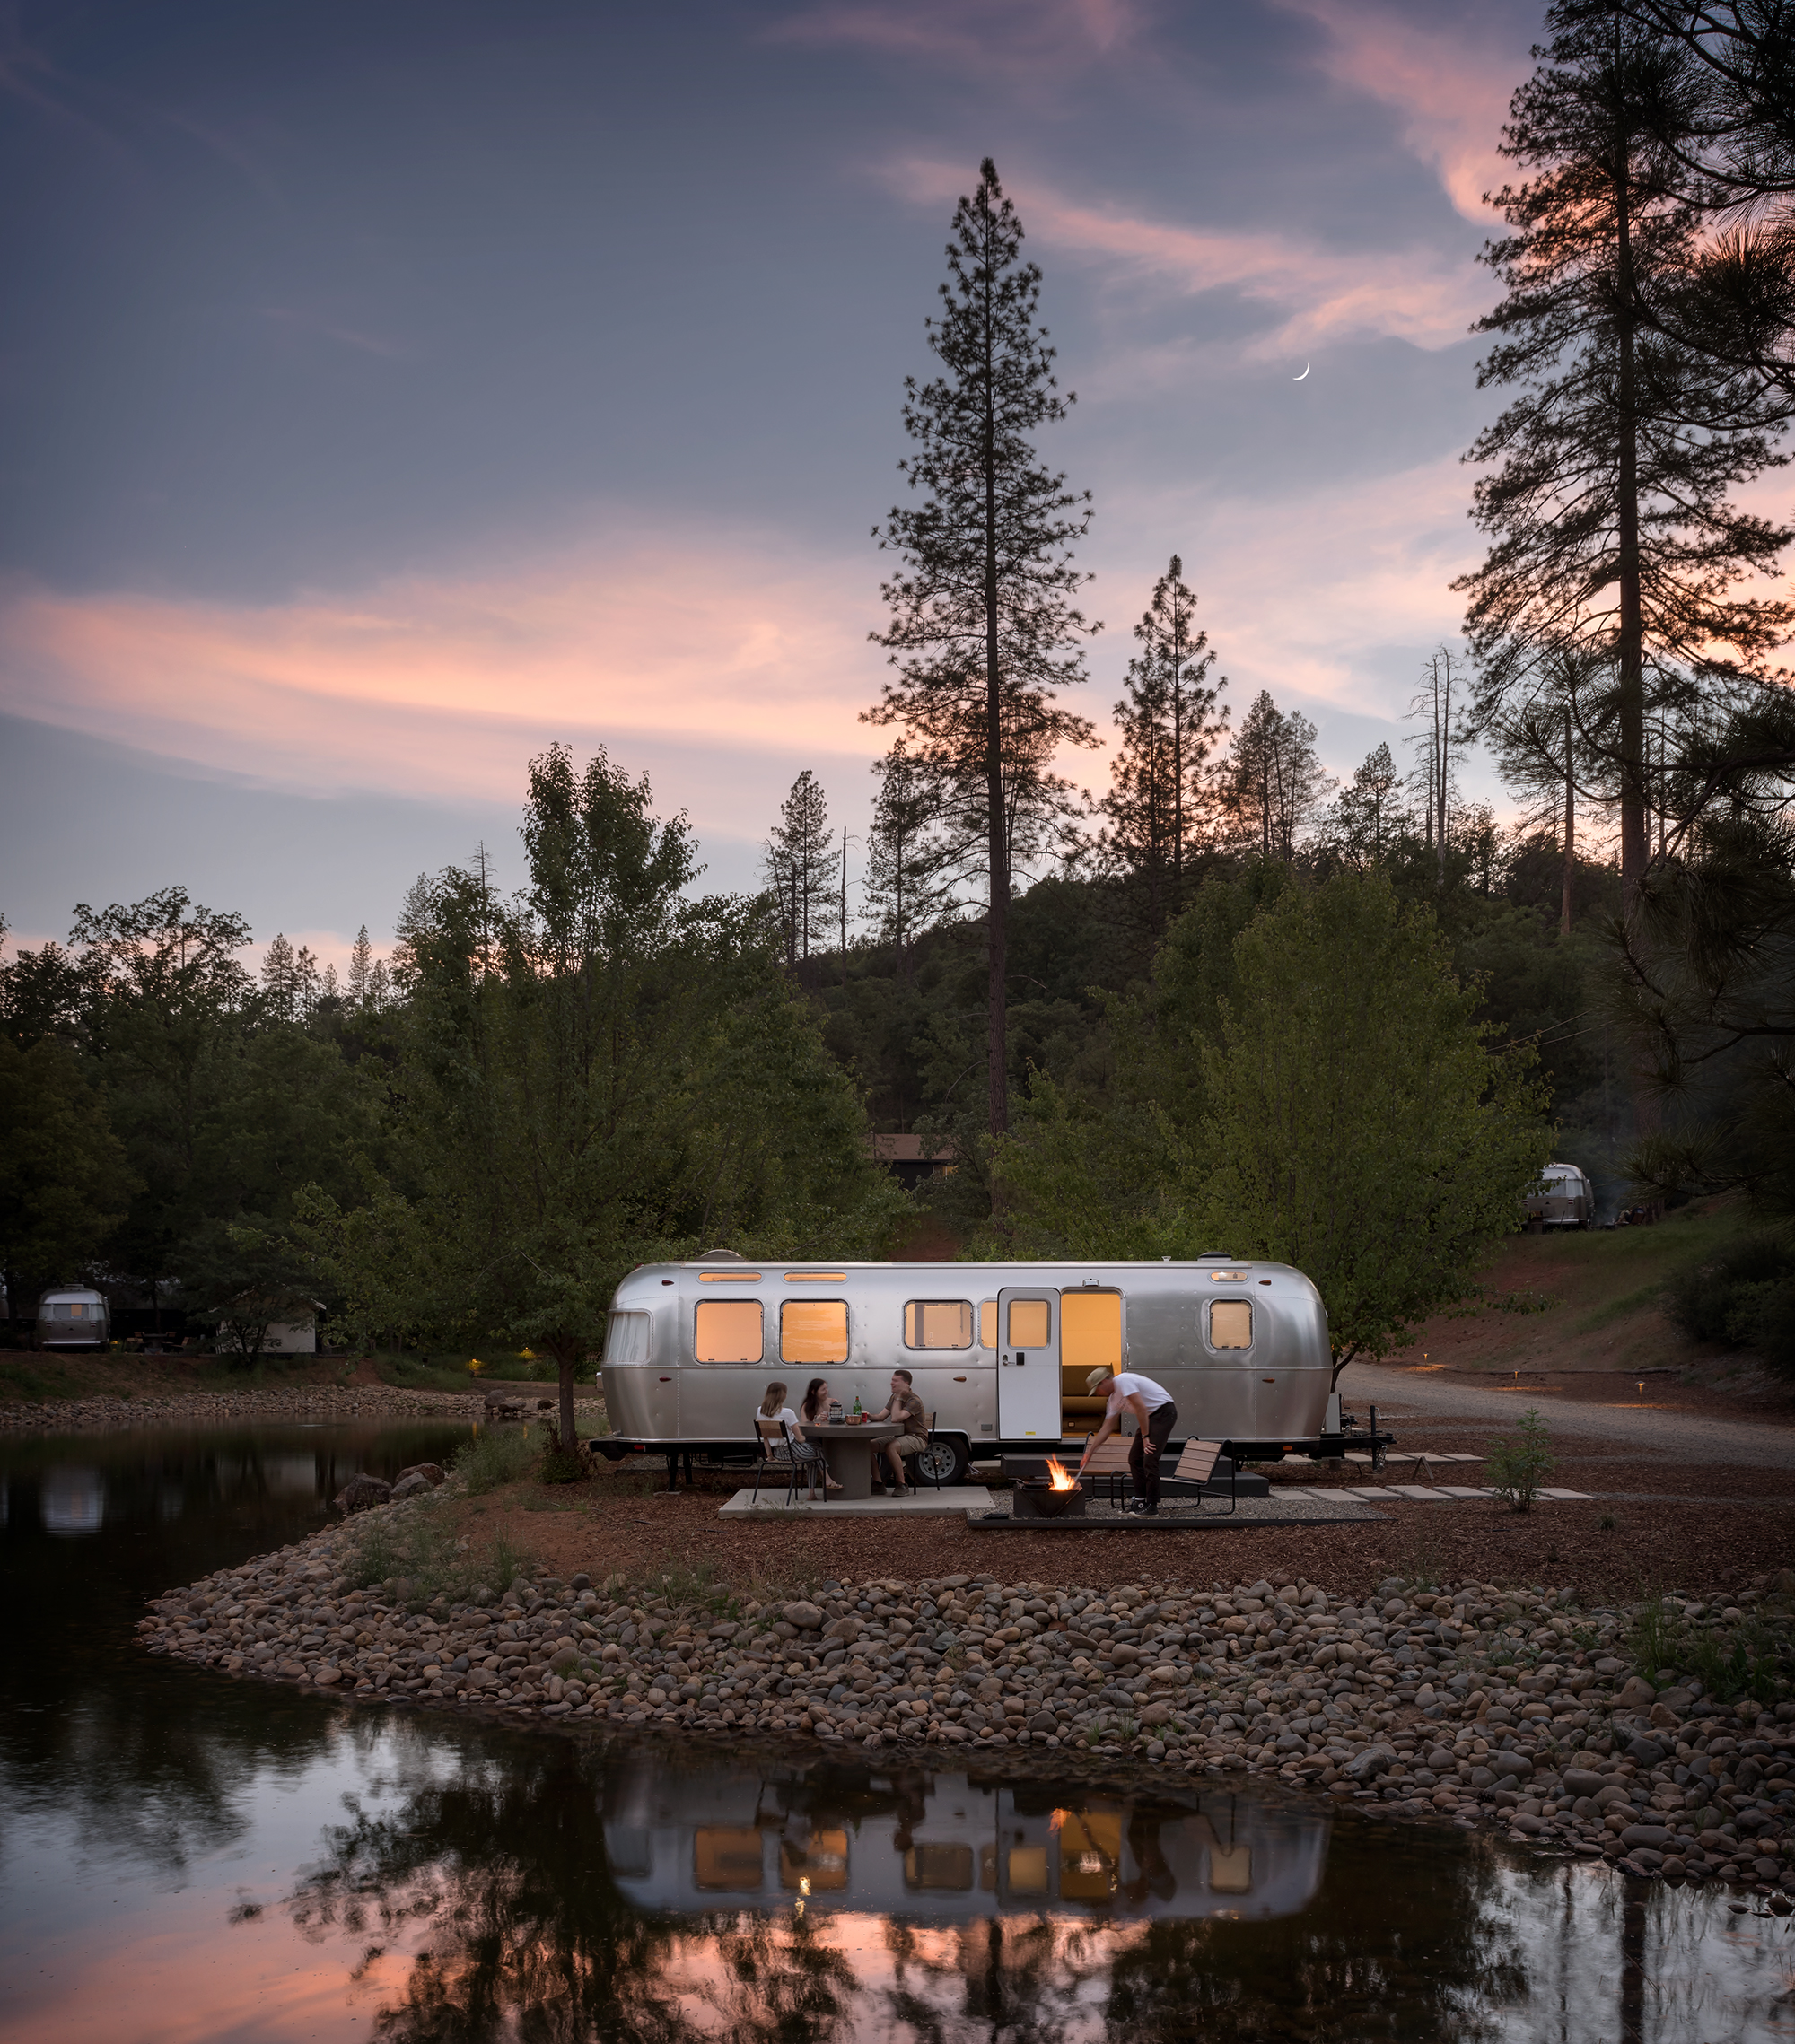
(1216, 1256)
(720, 1256)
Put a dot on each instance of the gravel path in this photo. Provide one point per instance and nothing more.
(1688, 1436)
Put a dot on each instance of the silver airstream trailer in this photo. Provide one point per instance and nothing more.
(1000, 1352)
(1564, 1198)
(71, 1316)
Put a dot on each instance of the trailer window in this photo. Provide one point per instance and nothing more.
(1230, 1323)
(728, 1331)
(813, 1330)
(1030, 1324)
(987, 1323)
(626, 1338)
(938, 1324)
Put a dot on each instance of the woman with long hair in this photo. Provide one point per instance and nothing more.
(813, 1412)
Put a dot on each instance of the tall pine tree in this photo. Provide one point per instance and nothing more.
(799, 866)
(983, 627)
(1608, 482)
(1169, 724)
(908, 889)
(1272, 783)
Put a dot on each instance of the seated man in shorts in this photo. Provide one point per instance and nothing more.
(906, 1408)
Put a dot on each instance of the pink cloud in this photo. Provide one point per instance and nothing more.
(1421, 293)
(1451, 85)
(442, 685)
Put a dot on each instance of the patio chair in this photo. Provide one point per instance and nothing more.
(1111, 1462)
(911, 1462)
(773, 1438)
(1197, 1464)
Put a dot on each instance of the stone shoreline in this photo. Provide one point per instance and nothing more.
(1479, 1705)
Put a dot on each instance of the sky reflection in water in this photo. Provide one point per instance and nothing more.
(189, 1858)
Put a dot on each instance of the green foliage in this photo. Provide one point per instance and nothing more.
(595, 1074)
(64, 1180)
(1359, 1126)
(499, 1456)
(417, 1553)
(243, 1279)
(1520, 1461)
(1754, 1656)
(1743, 1297)
(1307, 1083)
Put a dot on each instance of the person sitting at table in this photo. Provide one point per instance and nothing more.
(815, 1413)
(906, 1408)
(769, 1417)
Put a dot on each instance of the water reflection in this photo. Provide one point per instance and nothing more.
(185, 1859)
(948, 1848)
(74, 1501)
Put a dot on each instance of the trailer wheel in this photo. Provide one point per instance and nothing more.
(945, 1460)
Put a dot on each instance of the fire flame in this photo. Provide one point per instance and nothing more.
(1057, 1478)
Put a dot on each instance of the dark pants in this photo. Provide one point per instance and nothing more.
(1146, 1450)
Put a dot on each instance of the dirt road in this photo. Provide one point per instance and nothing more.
(1628, 1419)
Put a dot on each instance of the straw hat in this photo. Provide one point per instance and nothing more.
(1095, 1378)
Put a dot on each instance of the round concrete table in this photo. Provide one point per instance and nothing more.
(848, 1450)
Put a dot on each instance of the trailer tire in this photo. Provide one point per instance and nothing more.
(946, 1460)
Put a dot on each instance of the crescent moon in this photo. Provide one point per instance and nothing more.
(1305, 372)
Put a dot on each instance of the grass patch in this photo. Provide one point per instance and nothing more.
(1750, 1658)
(416, 1557)
(1618, 1308)
(409, 1371)
(494, 1457)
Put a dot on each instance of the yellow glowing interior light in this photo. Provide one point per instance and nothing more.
(816, 1277)
(729, 1278)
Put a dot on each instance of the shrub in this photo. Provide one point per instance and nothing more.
(1743, 1297)
(1518, 1463)
(500, 1456)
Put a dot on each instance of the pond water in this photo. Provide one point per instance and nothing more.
(190, 1857)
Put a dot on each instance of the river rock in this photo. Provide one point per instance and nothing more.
(1637, 1694)
(409, 1486)
(432, 1473)
(360, 1492)
(806, 1617)
(1656, 1835)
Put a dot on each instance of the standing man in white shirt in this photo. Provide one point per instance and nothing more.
(1155, 1416)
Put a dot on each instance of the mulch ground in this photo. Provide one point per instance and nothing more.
(622, 1524)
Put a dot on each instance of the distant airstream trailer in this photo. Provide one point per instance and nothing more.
(1564, 1198)
(72, 1317)
(1000, 1353)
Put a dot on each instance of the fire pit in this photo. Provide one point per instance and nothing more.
(1053, 1497)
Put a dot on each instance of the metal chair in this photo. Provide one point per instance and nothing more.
(1197, 1464)
(928, 1442)
(776, 1455)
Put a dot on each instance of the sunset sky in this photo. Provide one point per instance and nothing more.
(392, 388)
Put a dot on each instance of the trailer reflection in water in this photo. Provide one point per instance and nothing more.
(949, 1847)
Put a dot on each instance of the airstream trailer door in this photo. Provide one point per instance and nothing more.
(1029, 1365)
